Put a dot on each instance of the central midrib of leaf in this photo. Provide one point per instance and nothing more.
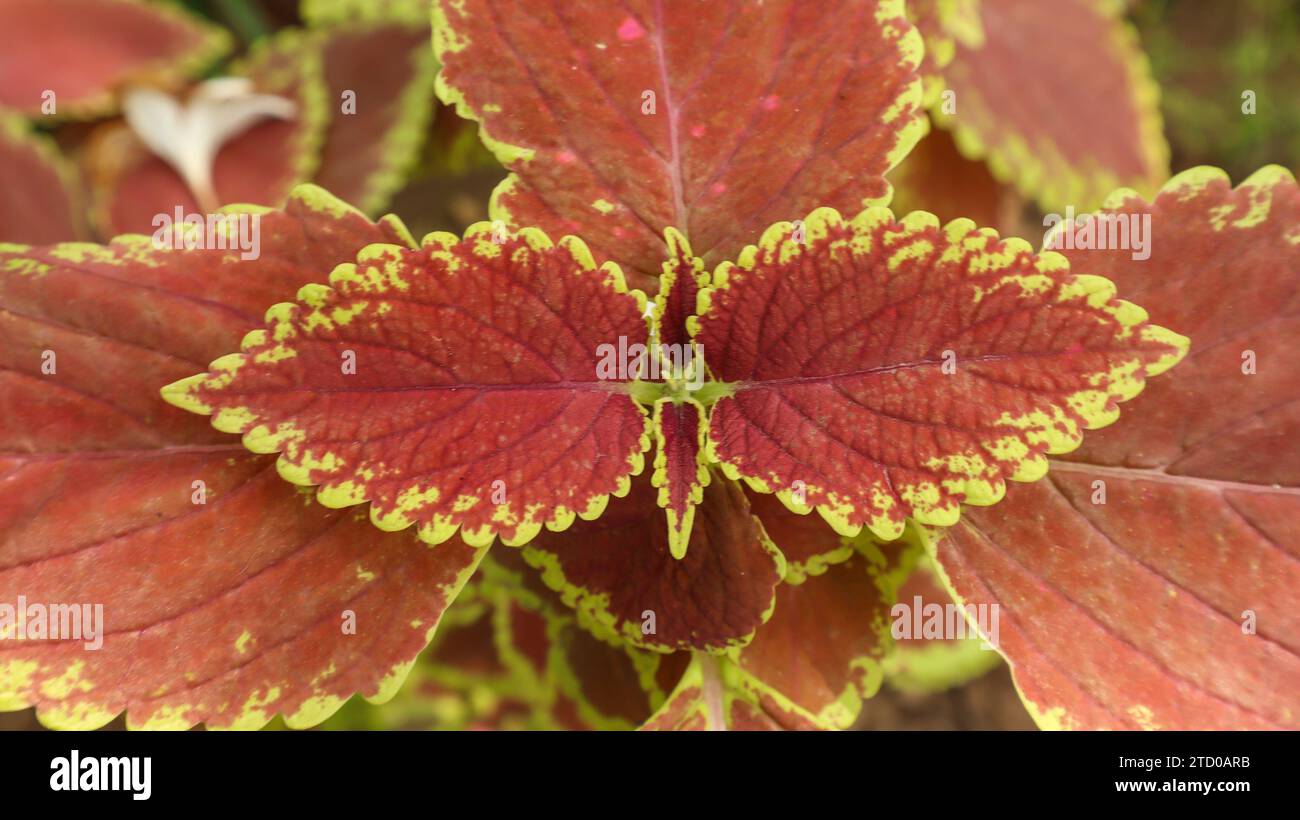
(594, 386)
(673, 163)
(878, 370)
(1181, 479)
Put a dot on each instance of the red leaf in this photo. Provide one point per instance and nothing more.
(761, 112)
(261, 166)
(454, 386)
(39, 200)
(1002, 62)
(1198, 530)
(225, 611)
(882, 370)
(389, 70)
(86, 50)
(680, 469)
(679, 285)
(820, 654)
(619, 574)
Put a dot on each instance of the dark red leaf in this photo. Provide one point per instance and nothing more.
(224, 601)
(718, 119)
(1166, 548)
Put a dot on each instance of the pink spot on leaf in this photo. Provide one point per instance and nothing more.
(697, 131)
(565, 157)
(717, 188)
(630, 30)
(771, 102)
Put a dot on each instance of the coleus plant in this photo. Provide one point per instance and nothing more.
(642, 551)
